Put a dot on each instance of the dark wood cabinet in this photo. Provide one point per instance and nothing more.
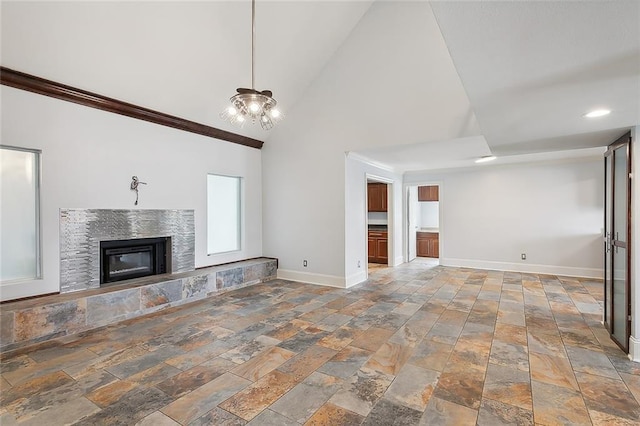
(377, 197)
(428, 193)
(422, 248)
(378, 247)
(434, 247)
(372, 249)
(428, 244)
(383, 249)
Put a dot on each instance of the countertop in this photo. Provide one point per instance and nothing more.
(432, 230)
(379, 228)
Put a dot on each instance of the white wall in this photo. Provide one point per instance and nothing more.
(303, 217)
(429, 217)
(634, 344)
(89, 156)
(377, 218)
(551, 212)
(304, 158)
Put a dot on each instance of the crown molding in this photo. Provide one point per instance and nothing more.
(31, 83)
(366, 160)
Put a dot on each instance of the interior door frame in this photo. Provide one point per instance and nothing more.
(441, 218)
(622, 142)
(368, 177)
(411, 235)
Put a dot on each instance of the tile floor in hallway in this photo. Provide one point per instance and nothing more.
(415, 345)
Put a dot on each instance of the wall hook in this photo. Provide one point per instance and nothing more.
(134, 187)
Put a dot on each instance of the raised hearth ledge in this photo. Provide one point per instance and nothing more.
(31, 321)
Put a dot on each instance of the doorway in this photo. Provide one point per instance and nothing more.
(423, 223)
(378, 214)
(617, 237)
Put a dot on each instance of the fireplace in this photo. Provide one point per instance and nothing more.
(126, 259)
(82, 230)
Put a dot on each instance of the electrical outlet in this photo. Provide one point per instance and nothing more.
(358, 263)
(304, 263)
(523, 256)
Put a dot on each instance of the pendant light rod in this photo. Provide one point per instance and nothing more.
(253, 41)
(250, 105)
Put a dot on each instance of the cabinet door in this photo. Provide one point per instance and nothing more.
(371, 197)
(382, 250)
(374, 200)
(423, 193)
(422, 247)
(383, 197)
(428, 193)
(377, 197)
(434, 249)
(433, 193)
(373, 250)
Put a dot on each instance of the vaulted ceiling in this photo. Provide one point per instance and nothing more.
(406, 80)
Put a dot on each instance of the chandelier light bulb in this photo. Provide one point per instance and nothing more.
(251, 104)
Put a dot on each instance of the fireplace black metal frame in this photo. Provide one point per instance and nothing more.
(159, 249)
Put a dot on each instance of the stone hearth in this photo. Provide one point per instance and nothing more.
(26, 322)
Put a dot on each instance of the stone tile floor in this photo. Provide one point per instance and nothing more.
(415, 345)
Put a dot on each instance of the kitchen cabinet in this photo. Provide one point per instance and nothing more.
(428, 244)
(377, 197)
(428, 193)
(383, 250)
(378, 247)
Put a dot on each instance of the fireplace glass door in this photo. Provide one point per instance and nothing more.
(130, 261)
(127, 259)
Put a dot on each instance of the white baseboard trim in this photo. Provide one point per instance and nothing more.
(311, 278)
(524, 267)
(634, 349)
(356, 278)
(399, 260)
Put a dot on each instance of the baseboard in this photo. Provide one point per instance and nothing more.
(356, 278)
(524, 267)
(311, 278)
(634, 349)
(398, 261)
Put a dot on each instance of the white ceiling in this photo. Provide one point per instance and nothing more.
(429, 84)
(178, 57)
(531, 70)
(451, 153)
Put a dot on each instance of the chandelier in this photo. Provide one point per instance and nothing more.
(251, 104)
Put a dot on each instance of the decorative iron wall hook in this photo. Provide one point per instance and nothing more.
(134, 187)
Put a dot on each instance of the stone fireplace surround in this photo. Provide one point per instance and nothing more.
(81, 231)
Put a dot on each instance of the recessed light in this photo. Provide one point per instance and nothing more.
(597, 113)
(486, 158)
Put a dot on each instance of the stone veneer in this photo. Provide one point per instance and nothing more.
(81, 231)
(26, 322)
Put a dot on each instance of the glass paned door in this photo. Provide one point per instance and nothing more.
(617, 201)
(619, 268)
(608, 223)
